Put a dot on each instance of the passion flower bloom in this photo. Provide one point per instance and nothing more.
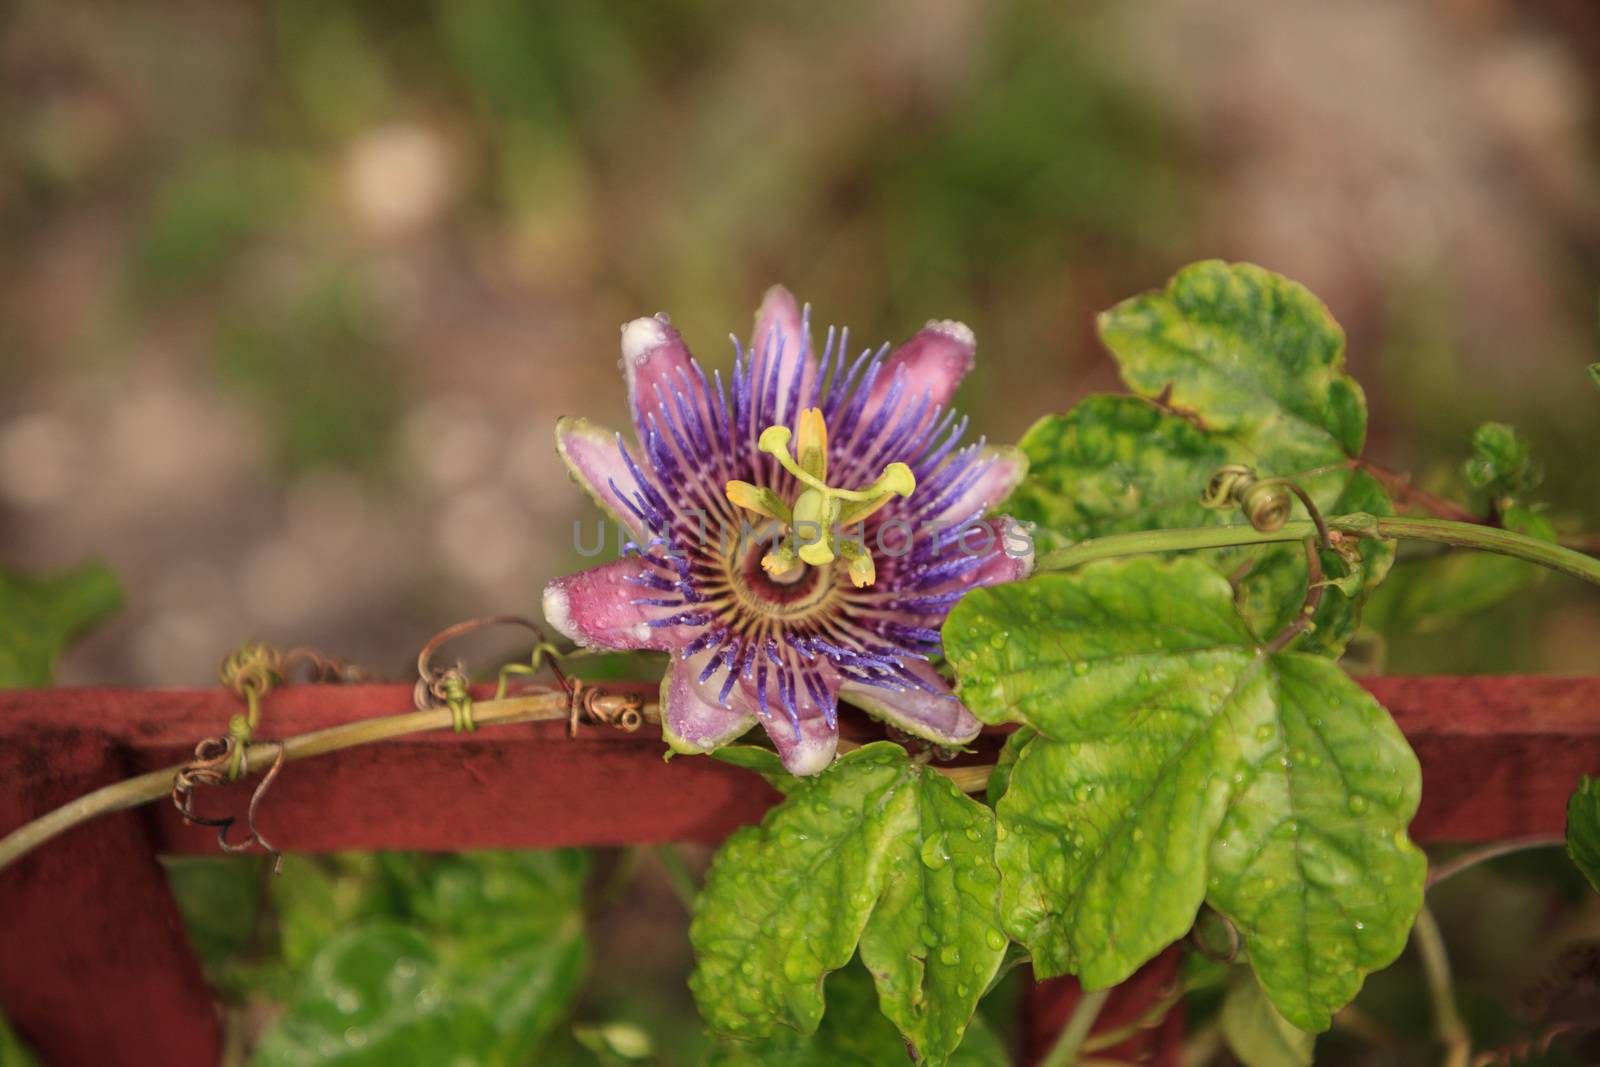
(800, 531)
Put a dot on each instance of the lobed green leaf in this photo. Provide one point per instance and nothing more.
(877, 850)
(1178, 764)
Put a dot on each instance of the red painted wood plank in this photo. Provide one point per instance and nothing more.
(95, 966)
(1499, 756)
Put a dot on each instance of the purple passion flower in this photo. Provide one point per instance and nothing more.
(799, 531)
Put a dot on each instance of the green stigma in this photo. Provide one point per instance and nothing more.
(812, 523)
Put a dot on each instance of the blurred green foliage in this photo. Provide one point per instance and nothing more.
(394, 957)
(40, 614)
(320, 370)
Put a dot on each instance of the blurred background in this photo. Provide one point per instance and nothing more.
(291, 294)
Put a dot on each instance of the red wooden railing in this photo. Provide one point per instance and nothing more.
(95, 966)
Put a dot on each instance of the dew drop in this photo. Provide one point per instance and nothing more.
(974, 834)
(998, 641)
(995, 940)
(1264, 732)
(1081, 667)
(1358, 804)
(949, 955)
(935, 854)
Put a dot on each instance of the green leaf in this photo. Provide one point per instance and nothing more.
(1118, 464)
(1178, 764)
(1502, 463)
(1115, 464)
(1256, 1034)
(1594, 374)
(375, 995)
(1256, 364)
(1249, 354)
(39, 615)
(501, 954)
(219, 897)
(1583, 829)
(855, 1034)
(1426, 593)
(1000, 777)
(879, 850)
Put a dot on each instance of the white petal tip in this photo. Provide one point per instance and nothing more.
(811, 756)
(959, 331)
(558, 611)
(642, 336)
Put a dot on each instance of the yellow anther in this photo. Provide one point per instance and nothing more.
(762, 501)
(862, 572)
(782, 565)
(813, 444)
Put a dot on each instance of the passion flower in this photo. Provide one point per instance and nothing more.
(799, 531)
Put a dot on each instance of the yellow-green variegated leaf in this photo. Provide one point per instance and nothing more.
(879, 851)
(1177, 763)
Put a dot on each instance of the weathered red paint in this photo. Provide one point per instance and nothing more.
(92, 951)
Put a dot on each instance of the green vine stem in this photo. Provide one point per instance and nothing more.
(1452, 1032)
(1064, 1053)
(1440, 531)
(1473, 857)
(132, 792)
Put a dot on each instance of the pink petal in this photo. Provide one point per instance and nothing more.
(812, 752)
(814, 748)
(654, 362)
(933, 361)
(597, 609)
(782, 336)
(594, 459)
(1006, 546)
(936, 715)
(692, 720)
(1004, 467)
